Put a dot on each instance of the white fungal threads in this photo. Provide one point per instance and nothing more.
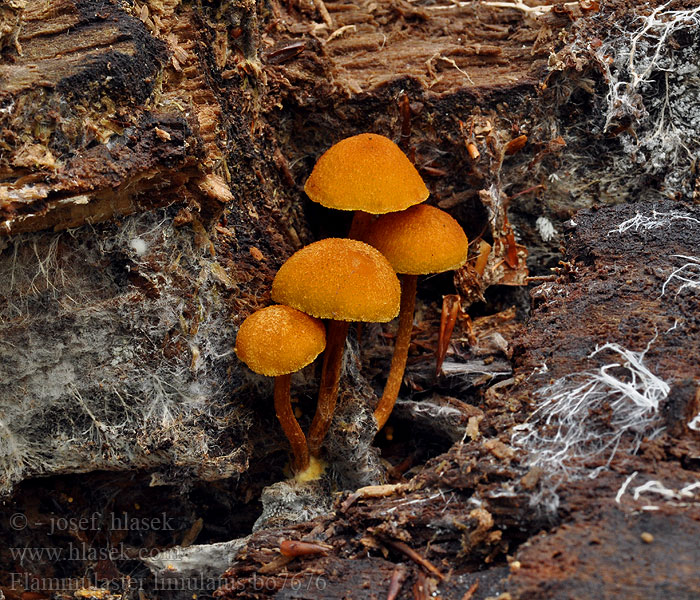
(112, 383)
(694, 423)
(138, 245)
(623, 487)
(633, 66)
(545, 229)
(653, 84)
(585, 418)
(686, 495)
(689, 274)
(656, 220)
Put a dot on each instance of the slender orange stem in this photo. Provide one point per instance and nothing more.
(398, 362)
(336, 332)
(360, 221)
(290, 426)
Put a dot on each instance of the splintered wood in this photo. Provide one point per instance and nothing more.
(109, 114)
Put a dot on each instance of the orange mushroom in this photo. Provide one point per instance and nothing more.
(417, 241)
(368, 173)
(277, 341)
(339, 280)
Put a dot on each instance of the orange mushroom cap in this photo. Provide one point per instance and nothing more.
(339, 279)
(366, 172)
(420, 240)
(278, 340)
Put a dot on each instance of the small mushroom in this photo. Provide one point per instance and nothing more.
(367, 173)
(339, 280)
(277, 341)
(417, 241)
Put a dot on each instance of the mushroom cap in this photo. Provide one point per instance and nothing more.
(339, 279)
(420, 240)
(365, 172)
(278, 340)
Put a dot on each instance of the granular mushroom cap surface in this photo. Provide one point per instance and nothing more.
(339, 279)
(366, 172)
(420, 240)
(278, 340)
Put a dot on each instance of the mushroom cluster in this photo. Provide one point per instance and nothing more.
(339, 280)
(350, 280)
(342, 281)
(369, 174)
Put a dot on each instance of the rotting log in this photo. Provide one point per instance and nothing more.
(118, 114)
(151, 165)
(485, 496)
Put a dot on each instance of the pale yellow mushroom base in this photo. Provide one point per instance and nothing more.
(313, 472)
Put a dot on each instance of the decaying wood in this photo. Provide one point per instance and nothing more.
(471, 503)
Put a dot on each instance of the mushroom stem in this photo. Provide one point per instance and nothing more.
(360, 221)
(398, 362)
(328, 390)
(290, 426)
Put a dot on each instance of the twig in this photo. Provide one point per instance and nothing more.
(420, 588)
(451, 305)
(470, 592)
(398, 576)
(452, 62)
(325, 15)
(373, 491)
(534, 10)
(340, 31)
(415, 557)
